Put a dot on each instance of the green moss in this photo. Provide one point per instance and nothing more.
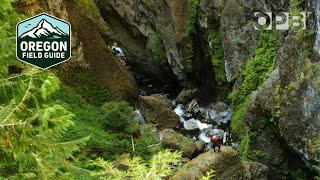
(119, 116)
(254, 74)
(187, 60)
(238, 125)
(256, 154)
(105, 142)
(91, 90)
(147, 143)
(217, 57)
(193, 6)
(90, 8)
(244, 146)
(317, 82)
(189, 34)
(257, 68)
(156, 49)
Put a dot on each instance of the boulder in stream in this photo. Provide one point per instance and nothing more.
(174, 140)
(185, 96)
(157, 110)
(200, 146)
(190, 125)
(226, 164)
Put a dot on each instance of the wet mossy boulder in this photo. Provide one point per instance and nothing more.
(157, 110)
(185, 96)
(226, 165)
(174, 140)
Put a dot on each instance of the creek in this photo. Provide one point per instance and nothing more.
(196, 120)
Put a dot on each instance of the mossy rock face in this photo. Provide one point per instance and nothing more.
(226, 164)
(173, 140)
(90, 52)
(300, 98)
(185, 96)
(157, 110)
(134, 22)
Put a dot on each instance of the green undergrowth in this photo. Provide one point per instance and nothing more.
(217, 58)
(86, 86)
(254, 74)
(189, 33)
(214, 51)
(90, 8)
(106, 141)
(257, 68)
(8, 21)
(156, 49)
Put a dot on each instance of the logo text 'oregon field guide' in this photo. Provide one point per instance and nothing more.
(43, 41)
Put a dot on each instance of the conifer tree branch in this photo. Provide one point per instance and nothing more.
(21, 102)
(12, 124)
(19, 75)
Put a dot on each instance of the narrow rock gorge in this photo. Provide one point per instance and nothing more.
(188, 66)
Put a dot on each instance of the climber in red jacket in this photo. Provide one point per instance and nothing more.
(216, 137)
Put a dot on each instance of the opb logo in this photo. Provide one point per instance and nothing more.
(280, 21)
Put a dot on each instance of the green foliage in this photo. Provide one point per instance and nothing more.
(159, 167)
(189, 33)
(254, 74)
(91, 90)
(147, 143)
(257, 154)
(8, 20)
(30, 130)
(238, 125)
(317, 170)
(244, 146)
(209, 175)
(217, 57)
(187, 60)
(104, 143)
(258, 67)
(91, 9)
(119, 116)
(157, 52)
(193, 6)
(30, 124)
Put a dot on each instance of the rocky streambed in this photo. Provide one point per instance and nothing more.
(196, 120)
(183, 123)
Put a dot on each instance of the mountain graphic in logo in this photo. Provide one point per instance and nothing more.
(44, 30)
(43, 41)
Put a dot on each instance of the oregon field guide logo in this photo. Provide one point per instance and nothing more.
(43, 41)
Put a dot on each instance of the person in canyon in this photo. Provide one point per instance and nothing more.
(216, 136)
(117, 51)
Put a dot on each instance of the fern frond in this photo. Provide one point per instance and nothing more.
(209, 175)
(161, 164)
(106, 170)
(137, 168)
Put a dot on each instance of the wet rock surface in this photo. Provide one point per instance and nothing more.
(174, 140)
(300, 104)
(157, 110)
(185, 96)
(227, 165)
